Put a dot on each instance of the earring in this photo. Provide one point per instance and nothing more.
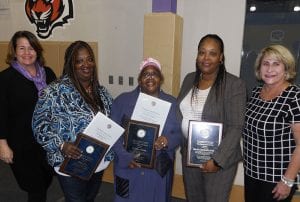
(286, 76)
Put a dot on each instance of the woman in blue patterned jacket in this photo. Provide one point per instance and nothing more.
(64, 109)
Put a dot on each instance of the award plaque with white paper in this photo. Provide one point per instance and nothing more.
(203, 139)
(151, 110)
(95, 142)
(104, 130)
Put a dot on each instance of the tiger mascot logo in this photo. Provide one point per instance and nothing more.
(48, 14)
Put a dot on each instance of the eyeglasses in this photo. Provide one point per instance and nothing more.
(148, 75)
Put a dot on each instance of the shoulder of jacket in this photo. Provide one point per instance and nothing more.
(127, 95)
(49, 69)
(7, 71)
(58, 84)
(8, 74)
(233, 78)
(189, 78)
(103, 89)
(191, 74)
(168, 97)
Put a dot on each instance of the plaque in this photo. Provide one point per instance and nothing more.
(139, 140)
(203, 139)
(151, 110)
(92, 153)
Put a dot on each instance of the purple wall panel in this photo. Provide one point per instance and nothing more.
(164, 6)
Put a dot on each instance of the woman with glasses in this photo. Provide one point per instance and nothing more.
(133, 182)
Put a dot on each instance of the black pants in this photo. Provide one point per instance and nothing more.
(261, 191)
(32, 173)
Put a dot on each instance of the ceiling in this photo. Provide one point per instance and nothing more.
(273, 5)
(272, 12)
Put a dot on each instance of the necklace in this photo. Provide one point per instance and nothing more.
(89, 90)
(204, 84)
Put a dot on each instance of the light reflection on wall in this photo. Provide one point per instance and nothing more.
(273, 22)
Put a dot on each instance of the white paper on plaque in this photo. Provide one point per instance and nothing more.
(105, 130)
(151, 110)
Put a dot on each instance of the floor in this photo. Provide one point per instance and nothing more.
(10, 192)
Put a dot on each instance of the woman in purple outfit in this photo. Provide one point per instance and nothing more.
(133, 182)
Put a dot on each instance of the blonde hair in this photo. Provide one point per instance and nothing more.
(281, 53)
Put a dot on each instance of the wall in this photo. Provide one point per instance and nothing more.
(253, 44)
(117, 26)
(54, 53)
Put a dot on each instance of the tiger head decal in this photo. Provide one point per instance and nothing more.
(48, 14)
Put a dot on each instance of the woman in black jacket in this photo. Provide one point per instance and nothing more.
(20, 84)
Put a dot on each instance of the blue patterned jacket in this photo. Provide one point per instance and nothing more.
(60, 114)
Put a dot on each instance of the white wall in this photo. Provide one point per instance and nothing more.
(117, 26)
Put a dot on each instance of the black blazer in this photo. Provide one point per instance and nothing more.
(18, 98)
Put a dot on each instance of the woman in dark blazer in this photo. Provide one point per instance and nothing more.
(20, 85)
(210, 94)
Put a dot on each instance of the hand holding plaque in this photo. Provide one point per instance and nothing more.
(92, 153)
(203, 139)
(104, 130)
(139, 140)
